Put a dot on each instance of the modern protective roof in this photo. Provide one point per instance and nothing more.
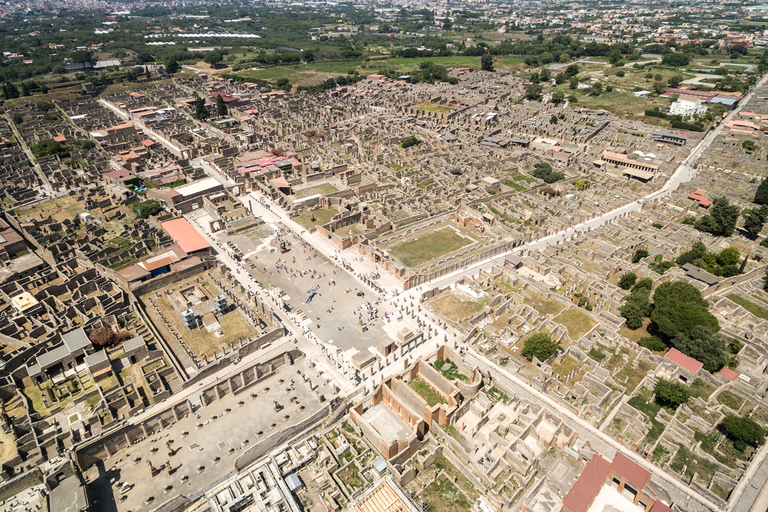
(683, 360)
(198, 187)
(76, 340)
(185, 235)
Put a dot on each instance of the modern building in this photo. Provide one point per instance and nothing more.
(620, 484)
(687, 108)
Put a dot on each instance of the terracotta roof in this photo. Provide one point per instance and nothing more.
(632, 473)
(148, 142)
(728, 373)
(588, 485)
(683, 360)
(185, 235)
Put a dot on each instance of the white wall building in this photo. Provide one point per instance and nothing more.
(686, 108)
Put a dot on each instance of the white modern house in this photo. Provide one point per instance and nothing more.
(686, 108)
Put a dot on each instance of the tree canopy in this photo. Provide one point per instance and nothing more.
(743, 431)
(539, 345)
(722, 219)
(678, 307)
(702, 345)
(671, 393)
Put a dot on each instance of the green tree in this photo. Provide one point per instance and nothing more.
(172, 66)
(145, 209)
(638, 255)
(658, 87)
(539, 345)
(486, 62)
(573, 84)
(533, 92)
(308, 56)
(703, 345)
(213, 58)
(728, 256)
(679, 307)
(761, 196)
(558, 96)
(620, 73)
(410, 141)
(636, 307)
(674, 80)
(743, 431)
(671, 393)
(646, 283)
(627, 281)
(754, 220)
(221, 106)
(748, 145)
(201, 111)
(722, 219)
(553, 119)
(44, 106)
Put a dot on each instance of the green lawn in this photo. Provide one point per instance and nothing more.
(701, 389)
(730, 400)
(427, 393)
(323, 188)
(428, 247)
(758, 311)
(577, 322)
(449, 370)
(322, 216)
(433, 108)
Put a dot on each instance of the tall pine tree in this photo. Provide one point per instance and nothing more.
(761, 196)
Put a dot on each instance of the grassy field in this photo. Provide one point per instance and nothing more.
(322, 216)
(301, 74)
(433, 108)
(427, 393)
(443, 496)
(427, 247)
(755, 309)
(576, 321)
(323, 188)
(200, 341)
(452, 307)
(730, 400)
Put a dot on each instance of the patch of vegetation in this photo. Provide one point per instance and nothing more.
(431, 396)
(428, 246)
(731, 400)
(543, 171)
(449, 370)
(755, 309)
(409, 142)
(539, 345)
(701, 389)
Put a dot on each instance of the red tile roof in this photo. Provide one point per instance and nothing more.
(633, 474)
(186, 236)
(660, 507)
(148, 143)
(683, 360)
(728, 373)
(588, 485)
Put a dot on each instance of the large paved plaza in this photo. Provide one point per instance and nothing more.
(226, 426)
